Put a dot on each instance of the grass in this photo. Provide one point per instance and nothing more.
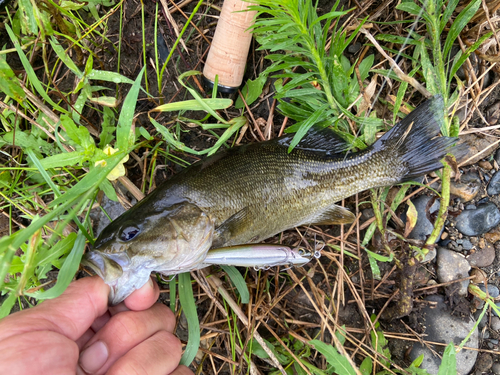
(70, 86)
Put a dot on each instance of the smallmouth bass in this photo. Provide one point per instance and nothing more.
(252, 192)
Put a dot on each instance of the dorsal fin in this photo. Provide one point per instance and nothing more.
(318, 139)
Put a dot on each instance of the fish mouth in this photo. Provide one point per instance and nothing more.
(115, 270)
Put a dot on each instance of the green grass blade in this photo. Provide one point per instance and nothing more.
(7, 305)
(30, 72)
(449, 362)
(459, 24)
(189, 307)
(340, 364)
(195, 105)
(43, 172)
(124, 138)
(239, 282)
(67, 271)
(65, 58)
(114, 77)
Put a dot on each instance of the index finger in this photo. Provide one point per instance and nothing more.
(70, 314)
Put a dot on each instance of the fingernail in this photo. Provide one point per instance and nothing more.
(150, 282)
(94, 357)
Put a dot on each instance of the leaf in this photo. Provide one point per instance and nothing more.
(189, 306)
(90, 181)
(124, 137)
(102, 75)
(306, 125)
(67, 271)
(109, 190)
(63, 160)
(379, 257)
(48, 254)
(27, 18)
(71, 128)
(449, 362)
(195, 105)
(108, 128)
(411, 218)
(239, 282)
(65, 58)
(251, 91)
(459, 24)
(366, 366)
(9, 83)
(339, 363)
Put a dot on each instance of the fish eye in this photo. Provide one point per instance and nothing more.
(129, 233)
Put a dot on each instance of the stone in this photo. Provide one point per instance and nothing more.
(484, 362)
(486, 165)
(492, 290)
(466, 245)
(354, 48)
(496, 368)
(465, 191)
(478, 147)
(423, 228)
(497, 305)
(467, 188)
(101, 221)
(494, 185)
(495, 323)
(481, 220)
(493, 236)
(441, 326)
(483, 257)
(452, 266)
(484, 320)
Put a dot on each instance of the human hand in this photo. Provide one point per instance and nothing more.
(78, 333)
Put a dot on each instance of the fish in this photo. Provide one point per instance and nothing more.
(248, 193)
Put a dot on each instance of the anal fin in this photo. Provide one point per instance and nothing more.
(334, 214)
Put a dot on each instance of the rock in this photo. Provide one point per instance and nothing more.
(423, 228)
(493, 236)
(441, 326)
(354, 48)
(495, 323)
(497, 156)
(484, 362)
(101, 221)
(481, 220)
(492, 343)
(483, 257)
(497, 305)
(452, 266)
(482, 322)
(492, 290)
(494, 185)
(466, 245)
(496, 368)
(465, 191)
(481, 243)
(476, 145)
(485, 165)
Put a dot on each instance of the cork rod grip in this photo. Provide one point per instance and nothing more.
(228, 54)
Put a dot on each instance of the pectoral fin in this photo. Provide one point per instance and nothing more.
(334, 214)
(231, 227)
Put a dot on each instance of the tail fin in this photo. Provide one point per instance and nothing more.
(414, 141)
